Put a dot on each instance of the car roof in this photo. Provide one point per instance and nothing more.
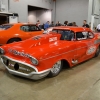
(75, 29)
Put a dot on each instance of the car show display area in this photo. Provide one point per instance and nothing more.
(49, 49)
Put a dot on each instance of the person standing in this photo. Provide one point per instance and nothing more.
(52, 24)
(74, 24)
(85, 24)
(58, 24)
(70, 24)
(46, 25)
(98, 27)
(66, 23)
(38, 23)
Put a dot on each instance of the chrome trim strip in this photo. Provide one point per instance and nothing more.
(63, 53)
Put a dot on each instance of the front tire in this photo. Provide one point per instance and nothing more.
(97, 52)
(55, 70)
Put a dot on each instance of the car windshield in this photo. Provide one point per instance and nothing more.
(5, 27)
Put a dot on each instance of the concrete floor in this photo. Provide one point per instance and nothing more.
(79, 83)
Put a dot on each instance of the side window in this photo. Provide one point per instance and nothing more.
(5, 27)
(25, 28)
(81, 35)
(67, 35)
(34, 28)
(90, 35)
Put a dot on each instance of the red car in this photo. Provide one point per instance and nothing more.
(46, 54)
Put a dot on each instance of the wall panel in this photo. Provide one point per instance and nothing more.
(72, 10)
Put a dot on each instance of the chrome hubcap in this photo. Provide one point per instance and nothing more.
(56, 67)
(98, 50)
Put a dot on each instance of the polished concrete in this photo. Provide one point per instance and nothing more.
(81, 82)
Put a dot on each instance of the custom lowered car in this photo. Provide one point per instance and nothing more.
(16, 32)
(46, 54)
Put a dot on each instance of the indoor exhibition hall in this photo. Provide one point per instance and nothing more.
(49, 49)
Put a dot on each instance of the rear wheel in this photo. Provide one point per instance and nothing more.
(13, 40)
(55, 70)
(97, 52)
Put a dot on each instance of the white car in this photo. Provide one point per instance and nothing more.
(48, 30)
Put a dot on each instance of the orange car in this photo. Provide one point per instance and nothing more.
(17, 32)
(46, 54)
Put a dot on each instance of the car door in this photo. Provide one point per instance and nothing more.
(84, 46)
(35, 30)
(68, 42)
(25, 32)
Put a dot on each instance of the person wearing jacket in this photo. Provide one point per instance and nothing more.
(46, 25)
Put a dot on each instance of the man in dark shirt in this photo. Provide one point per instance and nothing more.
(58, 24)
(85, 24)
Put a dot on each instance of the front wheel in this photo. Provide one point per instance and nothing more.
(97, 52)
(55, 70)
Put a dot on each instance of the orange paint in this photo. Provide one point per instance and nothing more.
(16, 32)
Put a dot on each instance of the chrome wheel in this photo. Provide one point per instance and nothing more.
(56, 69)
(97, 52)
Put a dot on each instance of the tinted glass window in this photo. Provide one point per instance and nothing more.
(5, 27)
(81, 35)
(25, 28)
(34, 28)
(65, 34)
(29, 28)
(84, 35)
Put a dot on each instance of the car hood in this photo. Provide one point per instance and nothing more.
(39, 46)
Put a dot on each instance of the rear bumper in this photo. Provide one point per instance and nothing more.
(35, 75)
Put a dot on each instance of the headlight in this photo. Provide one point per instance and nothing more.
(2, 51)
(34, 60)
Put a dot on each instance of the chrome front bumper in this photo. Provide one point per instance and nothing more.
(23, 69)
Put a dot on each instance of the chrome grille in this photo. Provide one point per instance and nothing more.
(16, 66)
